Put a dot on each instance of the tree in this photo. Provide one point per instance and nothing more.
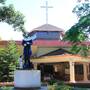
(8, 55)
(82, 9)
(78, 34)
(9, 61)
(9, 15)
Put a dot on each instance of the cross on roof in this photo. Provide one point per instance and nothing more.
(46, 6)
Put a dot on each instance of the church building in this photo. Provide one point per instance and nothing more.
(48, 39)
(52, 56)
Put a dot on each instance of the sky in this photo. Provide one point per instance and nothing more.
(60, 15)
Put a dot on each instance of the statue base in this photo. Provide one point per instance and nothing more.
(27, 79)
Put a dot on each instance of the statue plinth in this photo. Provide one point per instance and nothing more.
(27, 78)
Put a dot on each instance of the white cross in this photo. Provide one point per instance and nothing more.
(46, 10)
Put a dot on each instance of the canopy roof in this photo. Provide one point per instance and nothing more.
(61, 58)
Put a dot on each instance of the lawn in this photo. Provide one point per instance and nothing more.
(51, 87)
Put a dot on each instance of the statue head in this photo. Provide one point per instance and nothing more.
(27, 39)
(26, 35)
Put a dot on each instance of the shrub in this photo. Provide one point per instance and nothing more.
(8, 61)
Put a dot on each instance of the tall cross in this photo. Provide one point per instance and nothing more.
(46, 10)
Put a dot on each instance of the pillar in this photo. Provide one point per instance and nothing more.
(35, 66)
(72, 72)
(55, 68)
(85, 72)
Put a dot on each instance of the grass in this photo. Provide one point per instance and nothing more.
(6, 88)
(54, 85)
(65, 88)
(59, 87)
(51, 87)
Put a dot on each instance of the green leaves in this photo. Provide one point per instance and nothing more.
(84, 50)
(8, 61)
(82, 9)
(81, 49)
(80, 31)
(12, 17)
(78, 34)
(2, 1)
(75, 35)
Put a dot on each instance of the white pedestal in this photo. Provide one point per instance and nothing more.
(27, 78)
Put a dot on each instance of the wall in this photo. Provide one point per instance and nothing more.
(47, 35)
(45, 50)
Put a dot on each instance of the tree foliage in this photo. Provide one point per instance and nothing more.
(9, 15)
(82, 9)
(8, 61)
(2, 1)
(78, 34)
(80, 31)
(9, 54)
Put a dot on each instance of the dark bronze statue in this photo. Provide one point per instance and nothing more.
(27, 52)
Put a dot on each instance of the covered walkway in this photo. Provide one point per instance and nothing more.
(76, 64)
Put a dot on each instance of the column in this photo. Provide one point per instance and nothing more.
(72, 72)
(85, 72)
(55, 68)
(35, 66)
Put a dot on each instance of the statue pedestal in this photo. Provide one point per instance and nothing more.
(27, 78)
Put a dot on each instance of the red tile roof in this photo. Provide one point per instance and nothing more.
(51, 43)
(47, 43)
(42, 43)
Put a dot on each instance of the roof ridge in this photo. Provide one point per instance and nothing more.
(47, 27)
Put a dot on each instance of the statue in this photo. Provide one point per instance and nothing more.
(27, 52)
(25, 78)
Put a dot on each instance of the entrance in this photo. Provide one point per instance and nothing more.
(47, 71)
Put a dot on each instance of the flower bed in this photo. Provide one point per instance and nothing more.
(6, 84)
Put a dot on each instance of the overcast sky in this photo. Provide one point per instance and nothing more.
(60, 15)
